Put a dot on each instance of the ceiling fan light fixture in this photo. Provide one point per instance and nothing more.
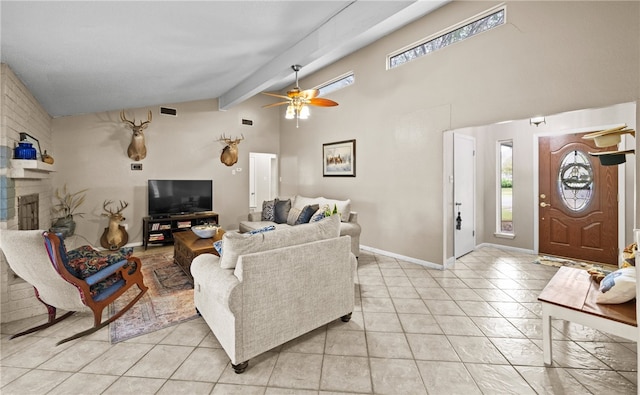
(298, 100)
(290, 114)
(304, 112)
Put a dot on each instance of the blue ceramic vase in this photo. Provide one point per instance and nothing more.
(24, 150)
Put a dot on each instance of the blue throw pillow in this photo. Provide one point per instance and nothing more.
(262, 230)
(319, 214)
(306, 214)
(218, 246)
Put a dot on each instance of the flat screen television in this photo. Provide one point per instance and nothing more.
(173, 197)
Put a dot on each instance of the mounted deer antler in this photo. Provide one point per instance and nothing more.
(229, 154)
(115, 235)
(137, 150)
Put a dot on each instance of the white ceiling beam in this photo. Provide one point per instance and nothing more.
(327, 44)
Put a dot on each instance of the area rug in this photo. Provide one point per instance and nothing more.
(169, 300)
(558, 262)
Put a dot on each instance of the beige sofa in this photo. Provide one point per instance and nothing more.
(349, 225)
(269, 288)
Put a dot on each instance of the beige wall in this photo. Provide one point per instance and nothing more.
(91, 152)
(550, 57)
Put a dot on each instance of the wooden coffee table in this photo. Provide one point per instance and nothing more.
(186, 246)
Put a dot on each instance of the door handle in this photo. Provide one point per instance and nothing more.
(544, 204)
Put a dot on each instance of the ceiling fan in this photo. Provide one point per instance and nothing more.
(299, 101)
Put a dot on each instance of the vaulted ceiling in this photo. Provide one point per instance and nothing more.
(90, 56)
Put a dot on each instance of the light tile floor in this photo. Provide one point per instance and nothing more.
(474, 329)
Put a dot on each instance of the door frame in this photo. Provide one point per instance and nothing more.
(536, 179)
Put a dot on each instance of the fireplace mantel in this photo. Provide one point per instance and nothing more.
(25, 168)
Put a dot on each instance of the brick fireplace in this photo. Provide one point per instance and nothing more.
(20, 112)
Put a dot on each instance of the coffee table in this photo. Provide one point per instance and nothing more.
(187, 245)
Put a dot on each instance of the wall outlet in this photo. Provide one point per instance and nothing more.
(136, 166)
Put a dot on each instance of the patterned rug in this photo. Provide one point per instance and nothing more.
(168, 301)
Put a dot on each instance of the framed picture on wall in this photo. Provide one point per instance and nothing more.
(34, 143)
(339, 159)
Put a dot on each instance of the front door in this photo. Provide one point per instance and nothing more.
(578, 198)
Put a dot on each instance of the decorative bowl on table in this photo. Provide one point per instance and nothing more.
(205, 231)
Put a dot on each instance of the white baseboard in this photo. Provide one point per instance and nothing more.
(403, 258)
(507, 248)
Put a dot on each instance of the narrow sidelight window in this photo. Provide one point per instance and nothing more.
(505, 189)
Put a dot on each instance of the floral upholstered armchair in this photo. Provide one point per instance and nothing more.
(71, 280)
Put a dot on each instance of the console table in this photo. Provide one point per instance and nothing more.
(570, 295)
(187, 245)
(162, 230)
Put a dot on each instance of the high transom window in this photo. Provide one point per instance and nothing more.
(462, 31)
(575, 180)
(337, 83)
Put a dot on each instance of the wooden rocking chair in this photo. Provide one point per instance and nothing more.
(71, 280)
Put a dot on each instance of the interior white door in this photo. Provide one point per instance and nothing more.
(464, 189)
(263, 178)
(252, 182)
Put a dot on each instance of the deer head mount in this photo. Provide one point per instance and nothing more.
(229, 154)
(137, 150)
(115, 235)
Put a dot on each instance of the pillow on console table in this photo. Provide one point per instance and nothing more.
(618, 287)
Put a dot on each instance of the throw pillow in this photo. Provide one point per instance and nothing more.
(281, 211)
(343, 207)
(306, 214)
(319, 214)
(268, 213)
(218, 247)
(294, 213)
(618, 286)
(262, 230)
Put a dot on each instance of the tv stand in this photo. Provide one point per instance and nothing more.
(160, 229)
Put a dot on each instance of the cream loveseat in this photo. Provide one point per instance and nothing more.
(349, 225)
(271, 287)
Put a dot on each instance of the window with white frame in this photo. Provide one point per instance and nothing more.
(469, 28)
(337, 83)
(505, 187)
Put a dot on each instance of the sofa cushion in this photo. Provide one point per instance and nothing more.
(343, 206)
(268, 213)
(236, 244)
(281, 211)
(300, 201)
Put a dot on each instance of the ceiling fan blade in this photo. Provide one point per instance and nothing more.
(309, 93)
(275, 104)
(322, 102)
(275, 95)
